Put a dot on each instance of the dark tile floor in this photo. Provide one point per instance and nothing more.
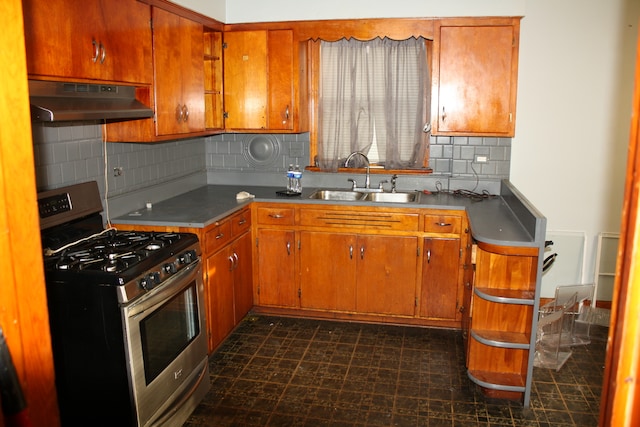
(275, 371)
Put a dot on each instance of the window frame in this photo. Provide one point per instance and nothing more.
(313, 61)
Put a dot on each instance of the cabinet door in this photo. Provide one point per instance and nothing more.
(440, 267)
(179, 74)
(475, 79)
(329, 284)
(220, 304)
(386, 274)
(280, 86)
(243, 277)
(276, 268)
(95, 39)
(245, 79)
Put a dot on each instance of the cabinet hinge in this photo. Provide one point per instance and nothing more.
(460, 253)
(418, 251)
(256, 242)
(416, 301)
(258, 289)
(224, 45)
(299, 293)
(225, 115)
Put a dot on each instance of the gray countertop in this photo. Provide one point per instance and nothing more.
(492, 219)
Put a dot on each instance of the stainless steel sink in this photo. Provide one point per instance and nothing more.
(344, 195)
(410, 197)
(353, 196)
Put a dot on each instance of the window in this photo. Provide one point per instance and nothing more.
(373, 98)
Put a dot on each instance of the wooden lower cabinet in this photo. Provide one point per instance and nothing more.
(440, 282)
(358, 273)
(277, 285)
(386, 272)
(328, 274)
(230, 294)
(502, 335)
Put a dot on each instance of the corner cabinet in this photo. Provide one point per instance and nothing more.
(178, 46)
(475, 72)
(445, 263)
(184, 91)
(104, 40)
(264, 75)
(502, 335)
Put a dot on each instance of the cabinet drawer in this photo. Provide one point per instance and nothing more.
(449, 224)
(218, 236)
(276, 216)
(359, 219)
(240, 222)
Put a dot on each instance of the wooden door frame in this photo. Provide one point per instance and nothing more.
(620, 401)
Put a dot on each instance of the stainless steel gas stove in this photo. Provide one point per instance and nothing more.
(127, 316)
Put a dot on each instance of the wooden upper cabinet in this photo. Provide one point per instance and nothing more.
(179, 75)
(105, 40)
(261, 80)
(475, 76)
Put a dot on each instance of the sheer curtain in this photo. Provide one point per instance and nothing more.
(374, 98)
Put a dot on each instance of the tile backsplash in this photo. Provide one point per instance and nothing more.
(70, 153)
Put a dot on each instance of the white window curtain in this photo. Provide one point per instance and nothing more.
(374, 98)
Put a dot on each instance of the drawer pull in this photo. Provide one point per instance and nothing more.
(443, 224)
(288, 248)
(220, 236)
(242, 221)
(428, 256)
(276, 216)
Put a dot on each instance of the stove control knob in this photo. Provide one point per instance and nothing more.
(150, 281)
(170, 268)
(188, 257)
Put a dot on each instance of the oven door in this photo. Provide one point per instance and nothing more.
(167, 349)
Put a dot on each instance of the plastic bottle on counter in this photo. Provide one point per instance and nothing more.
(297, 179)
(290, 184)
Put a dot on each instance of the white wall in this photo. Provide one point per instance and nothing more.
(574, 93)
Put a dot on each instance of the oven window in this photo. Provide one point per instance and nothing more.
(168, 331)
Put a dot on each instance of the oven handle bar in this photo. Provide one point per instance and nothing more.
(159, 295)
(178, 404)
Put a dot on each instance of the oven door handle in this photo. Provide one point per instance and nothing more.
(159, 295)
(177, 404)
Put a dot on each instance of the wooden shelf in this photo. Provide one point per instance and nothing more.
(497, 380)
(506, 296)
(502, 339)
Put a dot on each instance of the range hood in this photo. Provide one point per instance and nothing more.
(62, 101)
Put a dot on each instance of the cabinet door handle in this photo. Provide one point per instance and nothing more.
(286, 115)
(444, 115)
(288, 248)
(361, 252)
(350, 251)
(96, 51)
(185, 113)
(231, 263)
(179, 113)
(428, 256)
(235, 260)
(103, 51)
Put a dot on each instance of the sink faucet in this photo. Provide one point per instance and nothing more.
(367, 179)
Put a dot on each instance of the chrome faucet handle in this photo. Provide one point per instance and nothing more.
(384, 181)
(354, 184)
(394, 178)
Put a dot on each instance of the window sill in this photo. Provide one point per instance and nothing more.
(377, 171)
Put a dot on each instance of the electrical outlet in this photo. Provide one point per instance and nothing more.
(117, 171)
(481, 159)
